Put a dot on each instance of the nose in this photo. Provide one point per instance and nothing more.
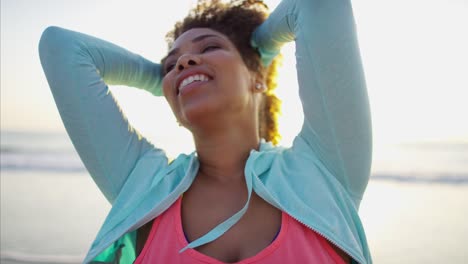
(187, 60)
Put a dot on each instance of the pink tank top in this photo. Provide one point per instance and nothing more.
(295, 243)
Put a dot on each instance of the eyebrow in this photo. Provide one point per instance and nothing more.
(194, 40)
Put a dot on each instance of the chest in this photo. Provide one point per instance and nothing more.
(294, 244)
(254, 232)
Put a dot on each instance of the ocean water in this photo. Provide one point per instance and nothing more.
(414, 210)
(50, 208)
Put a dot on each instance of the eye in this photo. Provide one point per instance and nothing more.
(210, 48)
(169, 67)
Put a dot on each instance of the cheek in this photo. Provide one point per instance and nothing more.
(169, 94)
(230, 69)
(166, 87)
(239, 78)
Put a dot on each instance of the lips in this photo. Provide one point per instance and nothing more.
(190, 77)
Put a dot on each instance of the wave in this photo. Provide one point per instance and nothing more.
(433, 179)
(431, 163)
(25, 150)
(19, 257)
(70, 162)
(50, 161)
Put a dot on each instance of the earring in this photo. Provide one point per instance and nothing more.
(258, 86)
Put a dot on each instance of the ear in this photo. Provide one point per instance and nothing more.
(259, 87)
(258, 83)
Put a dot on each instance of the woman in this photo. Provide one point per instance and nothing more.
(244, 199)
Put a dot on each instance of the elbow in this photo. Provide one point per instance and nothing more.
(56, 49)
(48, 44)
(53, 42)
(49, 39)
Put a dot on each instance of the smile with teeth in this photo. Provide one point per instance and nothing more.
(191, 79)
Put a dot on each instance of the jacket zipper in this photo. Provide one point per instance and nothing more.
(322, 235)
(313, 229)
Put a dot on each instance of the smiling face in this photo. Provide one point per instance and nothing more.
(206, 80)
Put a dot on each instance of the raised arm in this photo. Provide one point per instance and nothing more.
(78, 68)
(337, 125)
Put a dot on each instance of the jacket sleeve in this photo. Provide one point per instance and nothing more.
(78, 68)
(332, 89)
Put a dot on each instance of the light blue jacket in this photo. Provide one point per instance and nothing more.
(319, 181)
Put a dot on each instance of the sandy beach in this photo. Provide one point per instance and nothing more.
(416, 223)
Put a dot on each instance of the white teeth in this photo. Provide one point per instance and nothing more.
(191, 79)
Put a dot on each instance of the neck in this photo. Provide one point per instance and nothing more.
(223, 153)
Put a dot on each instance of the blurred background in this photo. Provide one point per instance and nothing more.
(416, 64)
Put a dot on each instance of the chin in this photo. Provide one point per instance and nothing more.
(196, 115)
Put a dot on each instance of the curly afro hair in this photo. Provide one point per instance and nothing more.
(237, 19)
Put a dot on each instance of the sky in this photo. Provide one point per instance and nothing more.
(414, 53)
